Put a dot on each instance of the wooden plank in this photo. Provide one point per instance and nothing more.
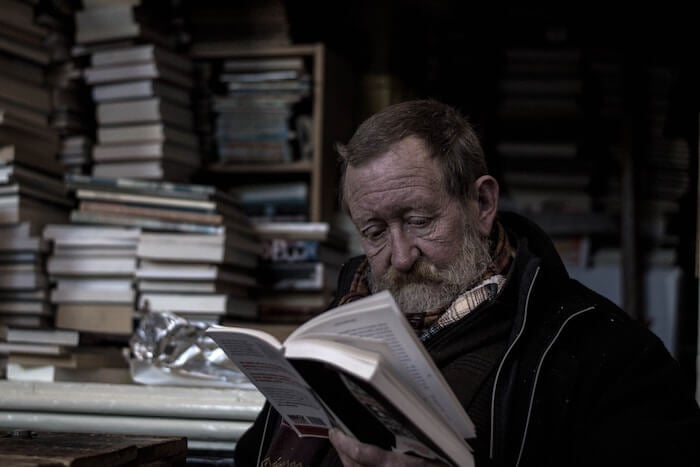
(285, 167)
(230, 50)
(26, 448)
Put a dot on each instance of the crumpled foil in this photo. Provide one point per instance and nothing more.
(167, 349)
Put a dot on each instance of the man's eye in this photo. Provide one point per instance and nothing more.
(418, 221)
(373, 234)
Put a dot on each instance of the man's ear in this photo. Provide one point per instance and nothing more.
(487, 202)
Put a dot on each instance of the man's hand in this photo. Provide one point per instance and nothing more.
(354, 453)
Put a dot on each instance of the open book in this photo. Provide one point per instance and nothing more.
(359, 367)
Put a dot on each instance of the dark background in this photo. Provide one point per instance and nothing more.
(454, 51)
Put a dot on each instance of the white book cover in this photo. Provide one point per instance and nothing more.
(67, 337)
(78, 265)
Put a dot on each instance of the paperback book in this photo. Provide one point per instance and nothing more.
(361, 368)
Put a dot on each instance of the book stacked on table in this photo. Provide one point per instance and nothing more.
(196, 252)
(31, 189)
(229, 258)
(55, 354)
(91, 268)
(141, 85)
(24, 285)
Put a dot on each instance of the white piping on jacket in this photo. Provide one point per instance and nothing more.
(537, 376)
(262, 442)
(505, 357)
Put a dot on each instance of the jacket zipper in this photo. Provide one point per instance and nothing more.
(537, 374)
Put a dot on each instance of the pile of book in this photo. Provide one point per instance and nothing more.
(91, 268)
(24, 284)
(141, 86)
(278, 202)
(263, 112)
(194, 253)
(54, 354)
(31, 189)
(198, 276)
(298, 269)
(72, 113)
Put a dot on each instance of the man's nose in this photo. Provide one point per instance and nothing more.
(404, 251)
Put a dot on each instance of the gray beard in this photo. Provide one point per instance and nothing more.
(426, 288)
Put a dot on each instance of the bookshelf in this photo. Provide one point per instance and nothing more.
(330, 112)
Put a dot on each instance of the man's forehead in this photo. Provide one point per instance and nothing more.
(408, 157)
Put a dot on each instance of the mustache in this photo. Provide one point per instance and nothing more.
(422, 272)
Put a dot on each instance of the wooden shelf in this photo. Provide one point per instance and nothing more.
(331, 118)
(263, 168)
(232, 50)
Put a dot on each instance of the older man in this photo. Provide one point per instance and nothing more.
(550, 372)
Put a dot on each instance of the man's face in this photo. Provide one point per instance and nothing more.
(421, 243)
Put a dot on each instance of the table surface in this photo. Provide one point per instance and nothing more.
(24, 448)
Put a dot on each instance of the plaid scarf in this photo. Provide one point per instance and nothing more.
(485, 288)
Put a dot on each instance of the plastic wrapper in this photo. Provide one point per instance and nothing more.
(167, 349)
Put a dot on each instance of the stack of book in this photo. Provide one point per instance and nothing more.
(141, 86)
(72, 113)
(279, 202)
(92, 269)
(24, 57)
(76, 152)
(298, 269)
(41, 91)
(154, 205)
(29, 173)
(31, 186)
(31, 189)
(548, 167)
(52, 354)
(263, 113)
(196, 250)
(170, 276)
(24, 284)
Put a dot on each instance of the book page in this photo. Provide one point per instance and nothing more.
(377, 317)
(405, 439)
(390, 414)
(262, 362)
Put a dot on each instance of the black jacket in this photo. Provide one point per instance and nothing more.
(579, 383)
